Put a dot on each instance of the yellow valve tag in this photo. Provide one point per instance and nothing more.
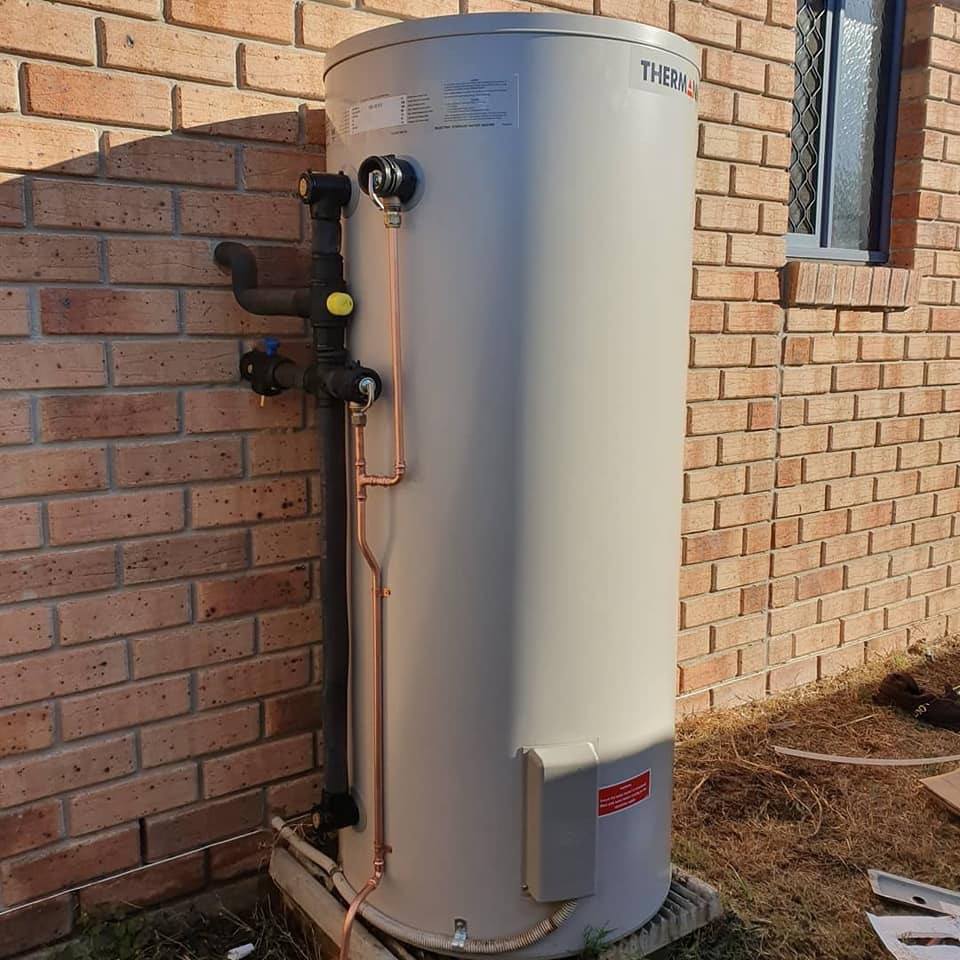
(340, 304)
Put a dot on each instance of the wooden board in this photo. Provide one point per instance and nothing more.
(322, 907)
(946, 788)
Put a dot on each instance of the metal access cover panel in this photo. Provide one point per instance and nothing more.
(560, 837)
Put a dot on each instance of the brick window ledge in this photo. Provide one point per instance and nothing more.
(815, 283)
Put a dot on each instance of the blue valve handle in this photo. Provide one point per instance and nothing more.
(270, 346)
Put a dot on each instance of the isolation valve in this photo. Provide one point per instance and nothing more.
(388, 177)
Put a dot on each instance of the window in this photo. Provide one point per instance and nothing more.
(844, 121)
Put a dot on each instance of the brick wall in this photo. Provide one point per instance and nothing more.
(158, 529)
(824, 413)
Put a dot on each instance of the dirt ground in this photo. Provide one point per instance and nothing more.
(788, 842)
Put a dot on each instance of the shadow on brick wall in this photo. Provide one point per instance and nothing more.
(159, 529)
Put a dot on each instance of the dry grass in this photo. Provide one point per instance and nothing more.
(788, 842)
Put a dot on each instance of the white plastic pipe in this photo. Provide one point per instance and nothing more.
(421, 938)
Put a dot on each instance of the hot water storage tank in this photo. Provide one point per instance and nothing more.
(532, 551)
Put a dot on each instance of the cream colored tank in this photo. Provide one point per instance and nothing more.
(532, 551)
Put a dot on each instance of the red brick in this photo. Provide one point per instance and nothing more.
(29, 828)
(251, 679)
(182, 461)
(697, 23)
(216, 506)
(232, 113)
(725, 142)
(32, 778)
(173, 833)
(437, 8)
(168, 261)
(32, 28)
(55, 574)
(239, 215)
(269, 19)
(242, 856)
(116, 614)
(284, 453)
(290, 628)
(62, 672)
(35, 926)
(15, 421)
(292, 712)
(30, 144)
(284, 542)
(276, 169)
(20, 526)
(30, 365)
(25, 630)
(44, 257)
(775, 43)
(125, 706)
(156, 884)
(709, 671)
(14, 312)
(295, 797)
(26, 729)
(323, 26)
(71, 863)
(146, 362)
(197, 736)
(127, 100)
(281, 70)
(252, 592)
(8, 85)
(793, 675)
(151, 9)
(211, 312)
(12, 208)
(209, 411)
(131, 155)
(255, 765)
(125, 800)
(90, 206)
(111, 517)
(84, 311)
(83, 417)
(189, 647)
(166, 51)
(186, 556)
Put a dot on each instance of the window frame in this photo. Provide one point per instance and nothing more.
(816, 246)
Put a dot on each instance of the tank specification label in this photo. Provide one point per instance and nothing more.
(623, 795)
(455, 105)
(479, 103)
(381, 112)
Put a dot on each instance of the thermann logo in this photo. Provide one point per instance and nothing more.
(645, 72)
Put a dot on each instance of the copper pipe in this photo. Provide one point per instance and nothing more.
(396, 366)
(362, 480)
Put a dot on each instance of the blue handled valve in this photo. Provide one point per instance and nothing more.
(270, 345)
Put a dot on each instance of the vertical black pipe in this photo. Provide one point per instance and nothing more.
(327, 195)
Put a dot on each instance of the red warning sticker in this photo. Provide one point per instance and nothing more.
(626, 793)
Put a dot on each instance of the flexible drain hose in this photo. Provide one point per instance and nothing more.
(420, 938)
(445, 942)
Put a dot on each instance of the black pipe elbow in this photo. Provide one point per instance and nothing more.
(326, 193)
(266, 301)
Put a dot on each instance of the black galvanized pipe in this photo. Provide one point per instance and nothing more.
(266, 301)
(331, 379)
